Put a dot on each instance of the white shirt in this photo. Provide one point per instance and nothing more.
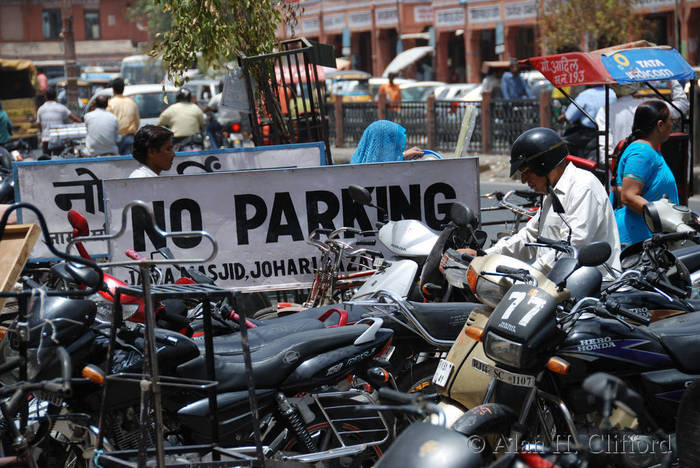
(587, 210)
(142, 171)
(51, 114)
(102, 132)
(622, 116)
(223, 114)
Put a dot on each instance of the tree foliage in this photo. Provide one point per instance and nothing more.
(566, 25)
(212, 32)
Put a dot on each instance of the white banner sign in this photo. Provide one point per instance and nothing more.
(386, 16)
(360, 19)
(334, 22)
(56, 187)
(484, 14)
(521, 10)
(310, 25)
(261, 219)
(423, 14)
(639, 4)
(451, 17)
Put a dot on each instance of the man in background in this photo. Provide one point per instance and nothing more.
(102, 129)
(127, 113)
(50, 114)
(513, 86)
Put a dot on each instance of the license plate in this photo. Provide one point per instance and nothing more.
(442, 373)
(521, 380)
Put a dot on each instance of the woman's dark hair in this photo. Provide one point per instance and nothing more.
(646, 117)
(149, 136)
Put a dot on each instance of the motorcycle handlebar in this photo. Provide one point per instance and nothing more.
(640, 316)
(673, 236)
(658, 280)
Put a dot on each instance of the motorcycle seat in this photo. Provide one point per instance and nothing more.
(355, 313)
(273, 363)
(230, 345)
(679, 335)
(444, 320)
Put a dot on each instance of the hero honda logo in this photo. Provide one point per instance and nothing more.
(595, 343)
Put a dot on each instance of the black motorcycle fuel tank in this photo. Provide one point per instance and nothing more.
(605, 345)
(658, 305)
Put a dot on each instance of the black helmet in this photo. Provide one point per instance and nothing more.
(183, 94)
(540, 149)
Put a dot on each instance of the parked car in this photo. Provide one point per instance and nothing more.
(150, 99)
(454, 92)
(418, 90)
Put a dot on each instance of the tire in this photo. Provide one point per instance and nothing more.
(419, 378)
(266, 313)
(688, 428)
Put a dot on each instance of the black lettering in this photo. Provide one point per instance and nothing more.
(256, 273)
(132, 277)
(243, 222)
(432, 209)
(168, 278)
(314, 263)
(304, 266)
(317, 218)
(142, 225)
(239, 271)
(227, 271)
(195, 214)
(283, 205)
(292, 267)
(212, 272)
(354, 212)
(401, 207)
(266, 269)
(382, 199)
(278, 266)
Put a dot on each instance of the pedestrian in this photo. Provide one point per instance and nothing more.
(102, 129)
(127, 113)
(513, 86)
(184, 118)
(491, 83)
(392, 92)
(642, 173)
(538, 158)
(153, 149)
(51, 113)
(5, 127)
(220, 117)
(384, 141)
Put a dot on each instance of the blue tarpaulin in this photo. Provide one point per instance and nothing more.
(647, 64)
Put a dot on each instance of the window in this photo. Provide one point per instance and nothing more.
(92, 25)
(51, 23)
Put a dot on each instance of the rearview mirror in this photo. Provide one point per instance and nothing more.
(462, 215)
(594, 254)
(360, 195)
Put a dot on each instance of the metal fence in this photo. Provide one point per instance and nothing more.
(508, 119)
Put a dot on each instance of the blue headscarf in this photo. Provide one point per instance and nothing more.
(381, 141)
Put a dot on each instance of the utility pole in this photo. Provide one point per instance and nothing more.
(69, 57)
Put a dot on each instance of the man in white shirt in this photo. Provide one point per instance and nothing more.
(622, 113)
(538, 158)
(153, 149)
(50, 114)
(102, 129)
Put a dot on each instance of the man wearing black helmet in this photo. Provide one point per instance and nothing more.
(575, 206)
(184, 118)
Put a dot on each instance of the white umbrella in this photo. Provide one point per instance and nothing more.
(406, 58)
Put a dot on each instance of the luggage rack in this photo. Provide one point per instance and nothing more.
(150, 381)
(74, 131)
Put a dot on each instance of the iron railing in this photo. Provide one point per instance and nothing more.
(508, 119)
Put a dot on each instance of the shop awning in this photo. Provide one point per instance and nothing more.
(406, 58)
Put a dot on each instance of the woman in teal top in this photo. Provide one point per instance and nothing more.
(642, 173)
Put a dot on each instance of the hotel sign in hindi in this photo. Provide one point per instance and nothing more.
(386, 16)
(451, 17)
(423, 14)
(334, 22)
(310, 25)
(485, 14)
(520, 10)
(360, 19)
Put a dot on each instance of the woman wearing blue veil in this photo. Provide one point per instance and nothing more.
(383, 141)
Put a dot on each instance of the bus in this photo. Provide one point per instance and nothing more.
(142, 69)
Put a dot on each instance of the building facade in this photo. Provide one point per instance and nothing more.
(31, 29)
(464, 33)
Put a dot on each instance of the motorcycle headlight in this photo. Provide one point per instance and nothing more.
(488, 292)
(502, 350)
